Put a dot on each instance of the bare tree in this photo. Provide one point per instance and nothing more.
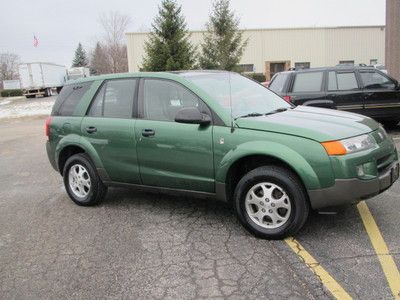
(9, 66)
(114, 26)
(99, 61)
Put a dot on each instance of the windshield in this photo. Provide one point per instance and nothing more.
(248, 97)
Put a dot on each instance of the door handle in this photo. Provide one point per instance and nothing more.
(148, 132)
(91, 129)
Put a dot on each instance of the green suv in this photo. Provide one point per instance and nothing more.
(216, 134)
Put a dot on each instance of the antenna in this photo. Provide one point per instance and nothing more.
(230, 100)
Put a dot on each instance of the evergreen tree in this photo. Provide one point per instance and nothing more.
(223, 43)
(168, 47)
(80, 59)
(99, 63)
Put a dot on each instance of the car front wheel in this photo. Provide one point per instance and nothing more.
(82, 182)
(271, 202)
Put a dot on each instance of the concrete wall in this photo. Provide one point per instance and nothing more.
(319, 46)
(393, 38)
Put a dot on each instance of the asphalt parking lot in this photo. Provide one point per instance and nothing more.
(141, 245)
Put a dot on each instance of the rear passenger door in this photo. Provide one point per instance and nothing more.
(109, 127)
(381, 98)
(344, 90)
(307, 88)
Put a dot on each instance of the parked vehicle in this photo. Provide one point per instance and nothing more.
(11, 85)
(78, 72)
(363, 90)
(220, 135)
(40, 78)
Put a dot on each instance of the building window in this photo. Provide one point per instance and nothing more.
(301, 65)
(373, 61)
(346, 62)
(246, 68)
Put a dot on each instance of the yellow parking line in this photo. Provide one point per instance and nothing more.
(388, 265)
(327, 280)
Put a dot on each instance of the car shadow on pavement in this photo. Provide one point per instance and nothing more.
(218, 211)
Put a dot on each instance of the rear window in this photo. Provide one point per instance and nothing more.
(115, 99)
(69, 98)
(308, 82)
(278, 83)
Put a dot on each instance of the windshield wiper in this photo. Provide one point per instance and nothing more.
(254, 114)
(278, 110)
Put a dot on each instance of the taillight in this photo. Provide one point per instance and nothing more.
(47, 126)
(287, 98)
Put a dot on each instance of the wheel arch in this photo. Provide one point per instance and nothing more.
(247, 157)
(74, 144)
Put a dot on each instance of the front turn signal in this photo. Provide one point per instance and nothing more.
(334, 148)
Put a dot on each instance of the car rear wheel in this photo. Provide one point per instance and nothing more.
(82, 182)
(271, 202)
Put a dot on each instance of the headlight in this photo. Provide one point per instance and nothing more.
(351, 145)
(382, 133)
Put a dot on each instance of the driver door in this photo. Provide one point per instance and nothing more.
(171, 154)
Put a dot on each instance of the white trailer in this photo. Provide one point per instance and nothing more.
(77, 72)
(41, 78)
(11, 85)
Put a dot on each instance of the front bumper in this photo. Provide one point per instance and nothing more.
(349, 191)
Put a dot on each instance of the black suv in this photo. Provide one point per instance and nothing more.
(363, 90)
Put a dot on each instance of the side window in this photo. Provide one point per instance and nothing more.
(278, 83)
(69, 98)
(308, 82)
(163, 98)
(342, 81)
(114, 99)
(374, 80)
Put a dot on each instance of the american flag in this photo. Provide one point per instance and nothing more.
(35, 41)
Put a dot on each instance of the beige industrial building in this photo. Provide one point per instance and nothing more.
(273, 50)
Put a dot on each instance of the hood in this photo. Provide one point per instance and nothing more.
(318, 124)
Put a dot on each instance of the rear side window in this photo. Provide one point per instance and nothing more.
(278, 83)
(342, 81)
(69, 98)
(374, 80)
(114, 99)
(308, 82)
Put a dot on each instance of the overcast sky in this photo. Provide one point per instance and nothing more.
(61, 24)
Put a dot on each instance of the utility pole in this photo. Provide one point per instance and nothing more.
(392, 47)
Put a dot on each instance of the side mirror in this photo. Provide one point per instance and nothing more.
(192, 115)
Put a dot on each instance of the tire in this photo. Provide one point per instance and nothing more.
(84, 194)
(391, 124)
(287, 202)
(30, 96)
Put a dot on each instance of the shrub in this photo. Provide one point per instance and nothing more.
(11, 93)
(260, 77)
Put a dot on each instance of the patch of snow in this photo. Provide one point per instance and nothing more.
(5, 102)
(26, 108)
